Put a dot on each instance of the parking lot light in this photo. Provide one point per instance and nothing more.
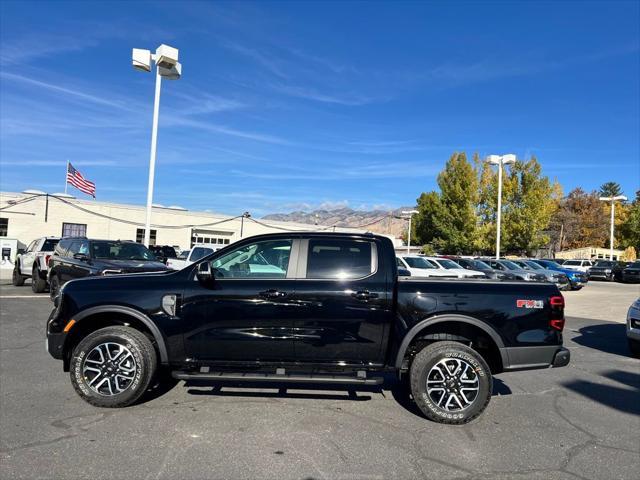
(613, 208)
(167, 66)
(500, 160)
(410, 213)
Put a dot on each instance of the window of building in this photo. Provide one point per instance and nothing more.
(213, 237)
(74, 229)
(4, 226)
(140, 236)
(339, 259)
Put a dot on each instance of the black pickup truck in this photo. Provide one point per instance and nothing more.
(305, 308)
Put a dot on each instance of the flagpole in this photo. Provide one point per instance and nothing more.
(65, 178)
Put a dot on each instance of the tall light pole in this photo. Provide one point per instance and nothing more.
(410, 213)
(167, 66)
(244, 215)
(500, 160)
(613, 209)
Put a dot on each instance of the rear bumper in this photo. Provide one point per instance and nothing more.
(529, 358)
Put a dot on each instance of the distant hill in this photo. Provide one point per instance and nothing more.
(378, 221)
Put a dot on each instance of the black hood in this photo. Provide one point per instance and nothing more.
(129, 266)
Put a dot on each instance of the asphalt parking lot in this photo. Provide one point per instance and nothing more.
(581, 421)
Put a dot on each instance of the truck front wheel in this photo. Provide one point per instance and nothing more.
(113, 367)
(450, 382)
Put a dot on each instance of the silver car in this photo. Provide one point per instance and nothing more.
(559, 278)
(633, 328)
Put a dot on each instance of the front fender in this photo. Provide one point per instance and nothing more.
(153, 328)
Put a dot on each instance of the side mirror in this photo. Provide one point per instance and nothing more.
(81, 256)
(204, 273)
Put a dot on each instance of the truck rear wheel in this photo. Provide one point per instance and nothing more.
(450, 382)
(113, 367)
(17, 279)
(38, 284)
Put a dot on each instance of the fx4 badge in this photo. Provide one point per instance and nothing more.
(529, 304)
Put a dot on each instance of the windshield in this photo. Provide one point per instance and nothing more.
(510, 265)
(604, 263)
(548, 264)
(448, 264)
(573, 262)
(121, 251)
(418, 262)
(634, 265)
(479, 265)
(533, 265)
(49, 245)
(184, 254)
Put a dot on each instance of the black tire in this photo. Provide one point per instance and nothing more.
(423, 368)
(17, 279)
(54, 286)
(38, 284)
(634, 347)
(138, 351)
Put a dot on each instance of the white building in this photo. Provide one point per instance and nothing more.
(26, 216)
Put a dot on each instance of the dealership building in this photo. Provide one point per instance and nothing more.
(32, 214)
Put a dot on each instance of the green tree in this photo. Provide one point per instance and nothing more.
(530, 199)
(429, 216)
(581, 221)
(456, 222)
(610, 189)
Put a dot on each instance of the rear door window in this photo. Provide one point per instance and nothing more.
(340, 259)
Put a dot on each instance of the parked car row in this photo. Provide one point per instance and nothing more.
(528, 270)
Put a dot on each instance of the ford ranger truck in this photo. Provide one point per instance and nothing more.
(305, 308)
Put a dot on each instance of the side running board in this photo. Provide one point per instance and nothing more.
(360, 379)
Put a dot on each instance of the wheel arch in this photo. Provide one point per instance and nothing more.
(450, 319)
(102, 316)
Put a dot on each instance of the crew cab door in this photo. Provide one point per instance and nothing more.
(346, 303)
(246, 312)
(28, 257)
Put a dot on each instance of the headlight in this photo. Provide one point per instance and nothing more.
(607, 270)
(636, 304)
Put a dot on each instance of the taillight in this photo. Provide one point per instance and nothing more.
(46, 260)
(556, 320)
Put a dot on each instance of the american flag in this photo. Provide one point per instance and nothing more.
(75, 178)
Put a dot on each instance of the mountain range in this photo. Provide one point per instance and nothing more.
(378, 221)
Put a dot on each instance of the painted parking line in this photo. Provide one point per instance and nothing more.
(24, 296)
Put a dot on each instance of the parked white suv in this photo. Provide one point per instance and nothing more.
(187, 257)
(419, 267)
(34, 263)
(578, 265)
(450, 266)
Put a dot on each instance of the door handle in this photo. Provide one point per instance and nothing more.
(272, 294)
(364, 295)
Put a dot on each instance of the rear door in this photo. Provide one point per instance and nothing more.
(345, 303)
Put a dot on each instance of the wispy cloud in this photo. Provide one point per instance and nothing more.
(201, 103)
(309, 93)
(225, 130)
(265, 60)
(77, 94)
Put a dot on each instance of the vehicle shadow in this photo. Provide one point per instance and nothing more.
(623, 399)
(399, 390)
(606, 337)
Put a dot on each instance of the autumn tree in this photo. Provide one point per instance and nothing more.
(629, 231)
(581, 221)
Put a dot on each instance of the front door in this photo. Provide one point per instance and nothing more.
(246, 312)
(346, 310)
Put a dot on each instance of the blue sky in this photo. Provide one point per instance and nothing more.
(296, 105)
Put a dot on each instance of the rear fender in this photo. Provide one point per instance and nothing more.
(418, 327)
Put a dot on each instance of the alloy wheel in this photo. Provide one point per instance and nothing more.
(453, 384)
(109, 369)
